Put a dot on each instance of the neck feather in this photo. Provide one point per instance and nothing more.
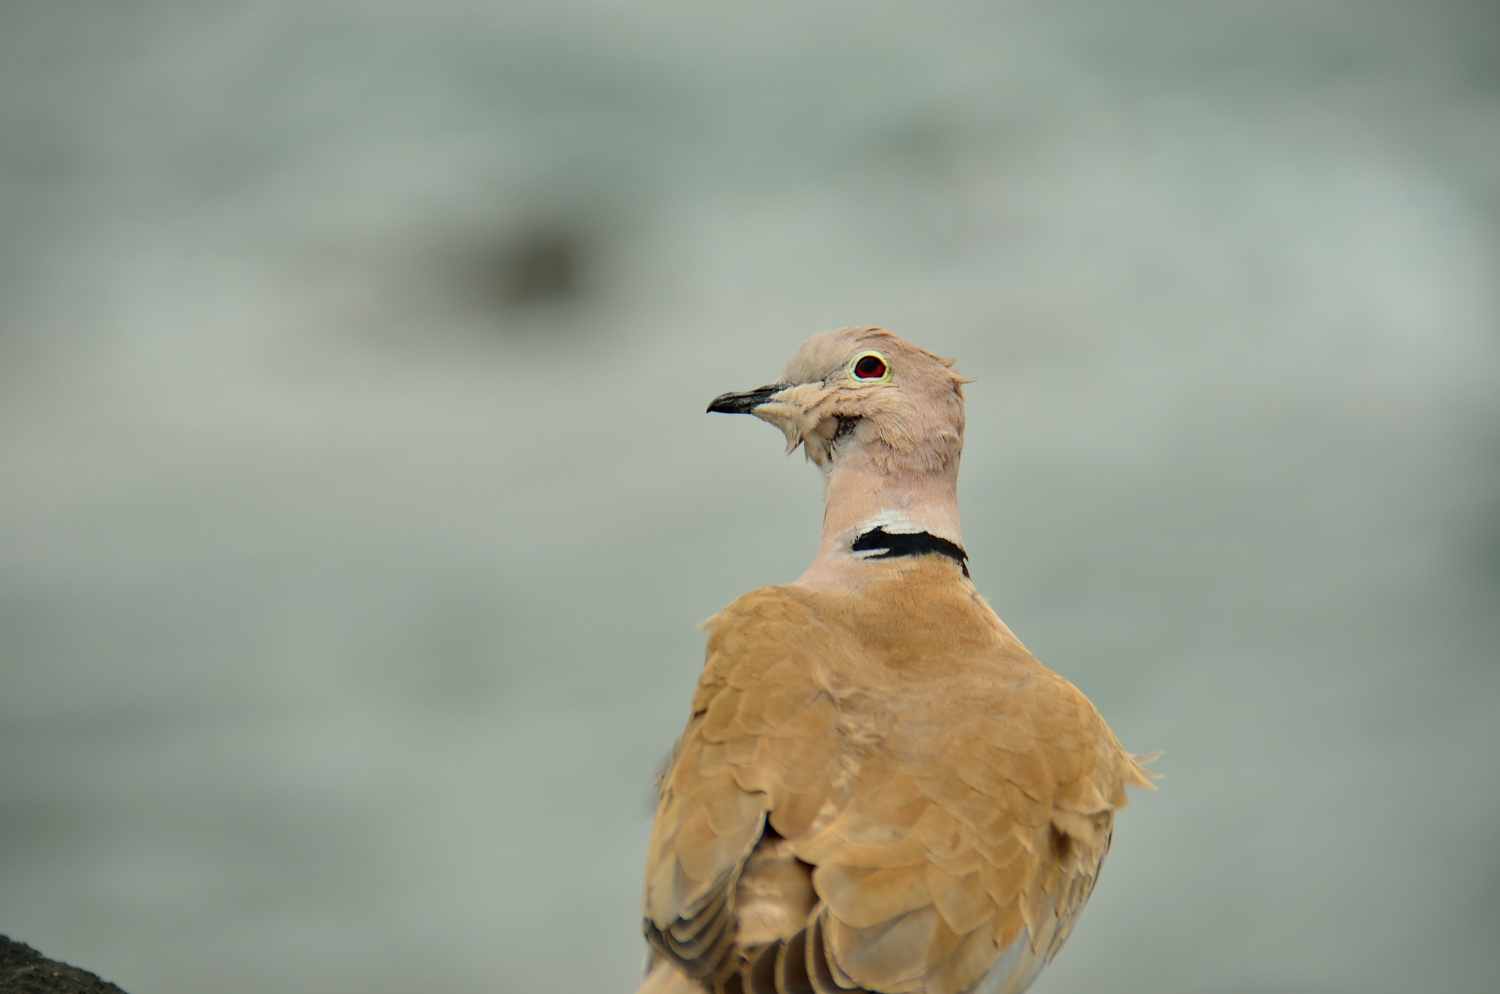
(893, 494)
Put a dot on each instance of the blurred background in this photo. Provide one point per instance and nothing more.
(357, 506)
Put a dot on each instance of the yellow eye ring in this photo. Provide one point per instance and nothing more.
(868, 367)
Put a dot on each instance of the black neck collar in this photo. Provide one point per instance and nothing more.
(888, 545)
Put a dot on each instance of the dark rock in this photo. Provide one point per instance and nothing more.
(23, 970)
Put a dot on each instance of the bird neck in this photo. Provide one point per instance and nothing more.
(865, 494)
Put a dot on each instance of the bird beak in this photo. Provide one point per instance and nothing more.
(747, 402)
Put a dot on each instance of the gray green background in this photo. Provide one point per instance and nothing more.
(357, 506)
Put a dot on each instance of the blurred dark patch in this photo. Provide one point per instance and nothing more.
(541, 264)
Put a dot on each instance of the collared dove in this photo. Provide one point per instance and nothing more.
(879, 788)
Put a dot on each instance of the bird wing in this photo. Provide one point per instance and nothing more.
(763, 738)
(953, 818)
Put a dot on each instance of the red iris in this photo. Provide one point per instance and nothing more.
(870, 367)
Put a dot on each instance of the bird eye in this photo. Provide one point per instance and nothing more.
(869, 366)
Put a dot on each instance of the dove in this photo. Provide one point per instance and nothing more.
(878, 788)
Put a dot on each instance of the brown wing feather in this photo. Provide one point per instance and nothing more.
(878, 790)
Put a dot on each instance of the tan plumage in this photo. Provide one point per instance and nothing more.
(879, 788)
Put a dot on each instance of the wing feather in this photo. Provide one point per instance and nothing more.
(861, 805)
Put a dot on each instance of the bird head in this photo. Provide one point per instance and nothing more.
(863, 390)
